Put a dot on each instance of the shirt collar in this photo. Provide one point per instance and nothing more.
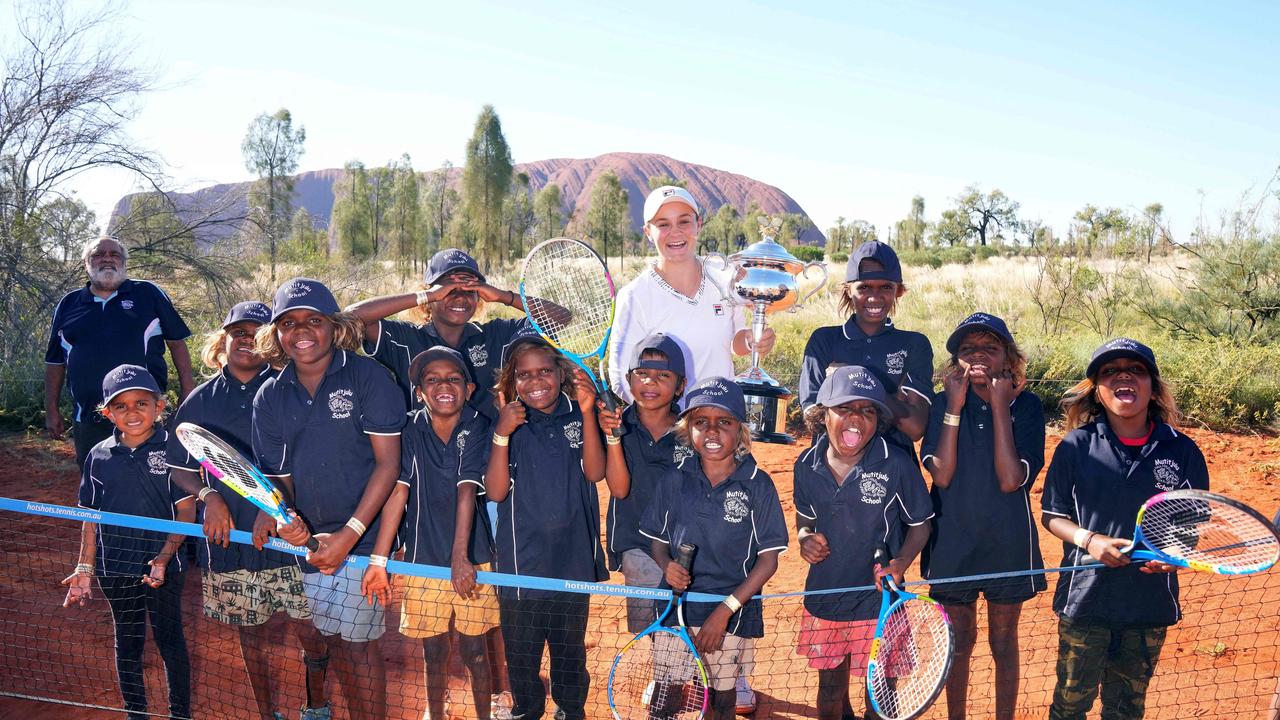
(631, 421)
(876, 453)
(258, 379)
(336, 363)
(158, 438)
(422, 418)
(853, 332)
(563, 407)
(469, 331)
(745, 471)
(1162, 432)
(87, 296)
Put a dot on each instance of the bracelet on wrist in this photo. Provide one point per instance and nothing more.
(950, 419)
(355, 524)
(378, 561)
(1082, 537)
(84, 569)
(611, 440)
(501, 440)
(732, 603)
(204, 493)
(422, 297)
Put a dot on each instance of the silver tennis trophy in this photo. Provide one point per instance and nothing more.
(764, 276)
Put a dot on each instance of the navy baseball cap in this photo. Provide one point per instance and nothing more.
(717, 392)
(881, 253)
(853, 382)
(447, 261)
(978, 322)
(1121, 348)
(663, 344)
(248, 311)
(525, 334)
(430, 355)
(125, 378)
(303, 294)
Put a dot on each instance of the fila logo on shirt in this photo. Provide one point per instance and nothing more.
(340, 404)
(896, 362)
(736, 504)
(874, 486)
(1168, 474)
(155, 462)
(573, 433)
(718, 309)
(479, 355)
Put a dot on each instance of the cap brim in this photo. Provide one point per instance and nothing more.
(117, 393)
(1096, 364)
(237, 322)
(953, 340)
(713, 404)
(881, 406)
(276, 315)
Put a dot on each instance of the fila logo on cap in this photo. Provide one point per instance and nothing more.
(668, 192)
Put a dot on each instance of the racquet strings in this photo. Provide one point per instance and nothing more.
(912, 659)
(226, 466)
(569, 274)
(1204, 530)
(658, 677)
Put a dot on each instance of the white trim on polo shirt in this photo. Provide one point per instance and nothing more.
(388, 434)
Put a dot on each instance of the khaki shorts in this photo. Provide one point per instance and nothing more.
(246, 598)
(735, 657)
(431, 604)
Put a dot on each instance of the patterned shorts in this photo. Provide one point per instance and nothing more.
(430, 604)
(827, 642)
(248, 597)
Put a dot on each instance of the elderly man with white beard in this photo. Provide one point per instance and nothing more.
(110, 322)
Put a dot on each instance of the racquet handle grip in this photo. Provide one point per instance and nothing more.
(312, 544)
(881, 556)
(611, 404)
(684, 558)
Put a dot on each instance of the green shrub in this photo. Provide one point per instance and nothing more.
(927, 258)
(807, 253)
(840, 256)
(985, 252)
(959, 254)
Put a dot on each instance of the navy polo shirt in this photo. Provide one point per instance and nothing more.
(92, 337)
(1097, 482)
(224, 406)
(433, 471)
(648, 460)
(977, 528)
(130, 481)
(731, 523)
(549, 523)
(883, 492)
(322, 441)
(397, 342)
(906, 357)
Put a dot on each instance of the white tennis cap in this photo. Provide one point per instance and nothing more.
(667, 194)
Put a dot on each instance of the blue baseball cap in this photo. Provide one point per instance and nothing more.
(854, 382)
(447, 261)
(303, 294)
(526, 334)
(248, 311)
(430, 355)
(1121, 347)
(978, 322)
(717, 392)
(125, 378)
(659, 342)
(881, 253)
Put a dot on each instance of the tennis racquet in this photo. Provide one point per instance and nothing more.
(663, 679)
(910, 653)
(228, 465)
(562, 275)
(1203, 531)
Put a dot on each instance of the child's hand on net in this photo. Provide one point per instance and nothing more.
(376, 586)
(155, 575)
(79, 589)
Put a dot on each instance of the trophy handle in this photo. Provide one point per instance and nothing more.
(805, 273)
(726, 265)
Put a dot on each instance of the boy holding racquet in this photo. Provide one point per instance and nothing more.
(901, 359)
(1122, 449)
(328, 429)
(854, 491)
(637, 461)
(727, 507)
(440, 496)
(546, 457)
(140, 571)
(244, 587)
(984, 449)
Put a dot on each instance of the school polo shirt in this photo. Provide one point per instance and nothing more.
(321, 441)
(92, 337)
(433, 471)
(704, 325)
(130, 481)
(1097, 482)
(549, 523)
(978, 528)
(648, 460)
(883, 492)
(397, 342)
(224, 406)
(730, 523)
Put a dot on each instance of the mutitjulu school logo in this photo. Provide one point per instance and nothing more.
(736, 506)
(156, 462)
(341, 404)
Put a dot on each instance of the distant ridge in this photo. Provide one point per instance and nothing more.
(712, 188)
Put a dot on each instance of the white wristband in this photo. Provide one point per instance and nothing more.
(84, 569)
(423, 297)
(355, 524)
(378, 561)
(204, 492)
(1081, 538)
(732, 603)
(501, 440)
(804, 532)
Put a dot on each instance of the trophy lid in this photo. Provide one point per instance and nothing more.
(769, 251)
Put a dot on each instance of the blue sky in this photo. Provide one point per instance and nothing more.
(851, 108)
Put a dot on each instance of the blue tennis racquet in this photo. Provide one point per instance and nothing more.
(663, 679)
(567, 293)
(910, 653)
(226, 464)
(1203, 531)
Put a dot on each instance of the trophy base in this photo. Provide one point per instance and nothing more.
(766, 407)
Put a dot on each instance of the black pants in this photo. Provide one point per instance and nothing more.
(87, 433)
(132, 603)
(560, 623)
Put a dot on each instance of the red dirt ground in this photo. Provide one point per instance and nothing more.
(1221, 661)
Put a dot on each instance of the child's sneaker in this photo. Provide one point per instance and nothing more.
(320, 713)
(745, 697)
